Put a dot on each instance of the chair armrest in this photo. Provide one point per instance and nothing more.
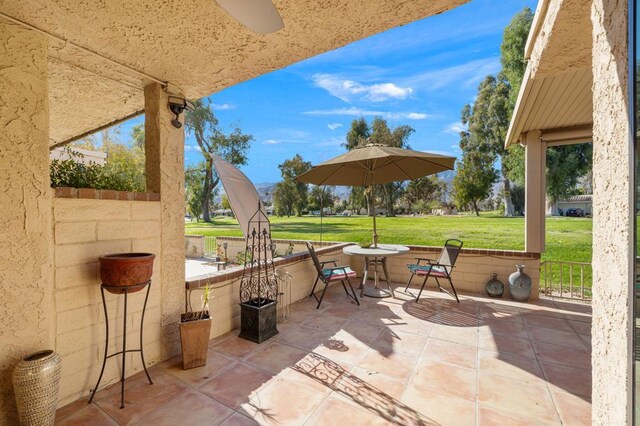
(335, 262)
(429, 261)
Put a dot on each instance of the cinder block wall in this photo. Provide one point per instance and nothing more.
(225, 288)
(83, 230)
(472, 270)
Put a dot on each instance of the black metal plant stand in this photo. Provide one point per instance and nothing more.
(125, 290)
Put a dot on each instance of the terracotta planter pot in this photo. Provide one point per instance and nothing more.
(194, 338)
(126, 269)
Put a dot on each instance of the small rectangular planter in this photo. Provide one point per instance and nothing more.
(194, 338)
(258, 323)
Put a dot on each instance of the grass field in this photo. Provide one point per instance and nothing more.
(568, 239)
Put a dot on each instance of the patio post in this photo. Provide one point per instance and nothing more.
(613, 218)
(535, 182)
(26, 289)
(164, 150)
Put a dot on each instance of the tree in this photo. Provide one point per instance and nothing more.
(233, 147)
(474, 179)
(290, 196)
(137, 134)
(194, 185)
(320, 198)
(426, 190)
(512, 58)
(566, 164)
(378, 132)
(224, 202)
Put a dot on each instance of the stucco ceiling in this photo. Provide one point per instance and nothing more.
(556, 89)
(194, 46)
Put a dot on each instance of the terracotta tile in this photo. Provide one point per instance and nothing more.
(398, 341)
(396, 364)
(191, 409)
(444, 378)
(282, 403)
(325, 372)
(345, 350)
(410, 324)
(573, 410)
(565, 379)
(325, 322)
(505, 343)
(516, 396)
(142, 398)
(236, 385)
(531, 320)
(346, 311)
(451, 353)
(570, 357)
(463, 335)
(556, 337)
(340, 411)
(581, 327)
(238, 419)
(305, 338)
(90, 414)
(306, 377)
(509, 365)
(391, 387)
(365, 333)
(379, 316)
(488, 416)
(235, 347)
(71, 408)
(512, 326)
(195, 376)
(434, 408)
(275, 357)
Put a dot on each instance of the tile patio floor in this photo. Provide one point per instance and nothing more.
(388, 361)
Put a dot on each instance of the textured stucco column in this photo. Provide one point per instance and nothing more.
(612, 217)
(535, 181)
(26, 308)
(165, 174)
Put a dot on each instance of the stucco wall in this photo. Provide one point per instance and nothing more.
(83, 230)
(193, 245)
(26, 316)
(612, 217)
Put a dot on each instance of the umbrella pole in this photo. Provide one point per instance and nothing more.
(373, 210)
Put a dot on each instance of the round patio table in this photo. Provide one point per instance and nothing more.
(375, 256)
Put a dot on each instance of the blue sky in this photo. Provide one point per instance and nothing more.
(421, 74)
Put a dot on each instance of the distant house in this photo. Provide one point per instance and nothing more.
(576, 202)
(446, 209)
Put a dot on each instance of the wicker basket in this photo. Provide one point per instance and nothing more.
(36, 380)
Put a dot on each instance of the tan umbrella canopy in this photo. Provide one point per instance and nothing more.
(376, 164)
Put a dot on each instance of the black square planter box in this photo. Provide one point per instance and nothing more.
(258, 323)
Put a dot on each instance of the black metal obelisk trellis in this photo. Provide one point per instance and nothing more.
(259, 285)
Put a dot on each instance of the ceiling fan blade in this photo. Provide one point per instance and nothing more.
(260, 16)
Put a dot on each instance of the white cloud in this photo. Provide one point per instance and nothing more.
(271, 142)
(221, 107)
(349, 90)
(334, 126)
(455, 128)
(188, 148)
(467, 74)
(359, 112)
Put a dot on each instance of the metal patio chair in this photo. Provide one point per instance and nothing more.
(328, 275)
(442, 268)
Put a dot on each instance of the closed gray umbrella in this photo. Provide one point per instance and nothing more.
(376, 164)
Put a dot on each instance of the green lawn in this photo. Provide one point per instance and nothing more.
(568, 239)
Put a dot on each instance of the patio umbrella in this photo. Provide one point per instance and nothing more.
(374, 164)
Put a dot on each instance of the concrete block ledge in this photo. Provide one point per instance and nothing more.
(104, 194)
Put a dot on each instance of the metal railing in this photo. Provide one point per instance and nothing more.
(566, 280)
(210, 246)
